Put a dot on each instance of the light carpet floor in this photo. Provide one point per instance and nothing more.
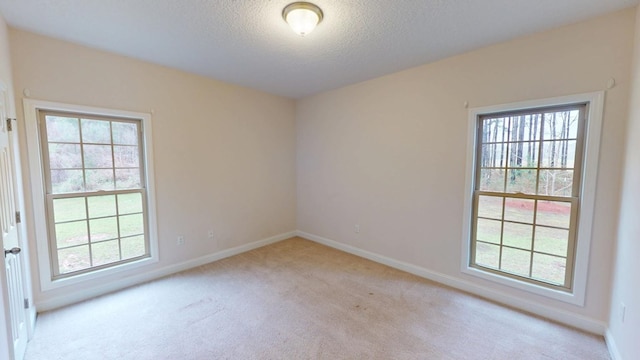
(299, 300)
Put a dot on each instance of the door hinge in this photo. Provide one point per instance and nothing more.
(18, 217)
(9, 124)
(26, 303)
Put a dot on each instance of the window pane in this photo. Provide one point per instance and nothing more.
(516, 261)
(487, 255)
(494, 130)
(99, 180)
(561, 125)
(573, 122)
(554, 213)
(72, 233)
(558, 154)
(521, 181)
(105, 252)
(69, 209)
(126, 156)
(525, 127)
(491, 180)
(490, 207)
(129, 203)
(101, 206)
(534, 126)
(125, 133)
(489, 230)
(73, 259)
(531, 152)
(96, 131)
(65, 156)
(103, 229)
(549, 268)
(523, 154)
(556, 183)
(551, 241)
(517, 235)
(131, 225)
(66, 181)
(133, 247)
(128, 179)
(62, 129)
(494, 155)
(98, 156)
(520, 210)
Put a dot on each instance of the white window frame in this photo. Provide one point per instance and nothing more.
(592, 135)
(31, 108)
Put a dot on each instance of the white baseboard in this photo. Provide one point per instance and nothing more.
(89, 293)
(31, 321)
(561, 316)
(611, 345)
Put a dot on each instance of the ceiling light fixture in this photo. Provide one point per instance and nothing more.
(303, 17)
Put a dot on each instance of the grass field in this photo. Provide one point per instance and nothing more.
(530, 242)
(98, 230)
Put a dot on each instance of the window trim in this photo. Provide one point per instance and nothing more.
(595, 108)
(31, 108)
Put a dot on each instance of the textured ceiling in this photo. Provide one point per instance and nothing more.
(246, 42)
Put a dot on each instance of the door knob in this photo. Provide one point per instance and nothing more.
(14, 251)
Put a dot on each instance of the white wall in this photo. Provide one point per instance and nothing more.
(389, 154)
(224, 154)
(626, 287)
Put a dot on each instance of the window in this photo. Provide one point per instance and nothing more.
(94, 194)
(526, 193)
(527, 198)
(93, 202)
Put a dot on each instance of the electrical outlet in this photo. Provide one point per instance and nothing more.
(356, 229)
(180, 241)
(623, 312)
(210, 234)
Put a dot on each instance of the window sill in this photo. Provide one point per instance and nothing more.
(48, 284)
(568, 297)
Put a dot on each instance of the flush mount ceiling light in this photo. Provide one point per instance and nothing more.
(303, 17)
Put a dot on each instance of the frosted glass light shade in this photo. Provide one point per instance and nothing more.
(303, 17)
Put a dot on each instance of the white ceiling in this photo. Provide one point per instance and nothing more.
(246, 42)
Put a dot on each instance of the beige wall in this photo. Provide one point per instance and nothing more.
(224, 154)
(389, 154)
(626, 289)
(5, 64)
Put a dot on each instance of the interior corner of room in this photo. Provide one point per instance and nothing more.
(377, 168)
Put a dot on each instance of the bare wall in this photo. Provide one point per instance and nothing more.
(389, 154)
(224, 154)
(625, 334)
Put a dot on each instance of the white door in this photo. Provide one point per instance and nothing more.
(14, 294)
